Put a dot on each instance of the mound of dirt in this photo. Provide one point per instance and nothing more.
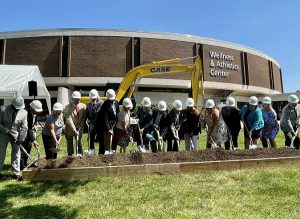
(167, 157)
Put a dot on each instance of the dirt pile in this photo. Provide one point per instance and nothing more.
(168, 157)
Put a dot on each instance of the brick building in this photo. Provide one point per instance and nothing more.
(83, 59)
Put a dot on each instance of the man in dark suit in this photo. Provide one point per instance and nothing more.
(173, 125)
(105, 121)
(35, 109)
(159, 126)
(232, 118)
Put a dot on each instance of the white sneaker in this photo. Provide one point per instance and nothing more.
(141, 149)
(254, 146)
(91, 153)
(107, 153)
(215, 146)
(235, 148)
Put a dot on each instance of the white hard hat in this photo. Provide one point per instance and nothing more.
(209, 104)
(18, 102)
(127, 103)
(162, 106)
(76, 95)
(58, 107)
(293, 98)
(267, 100)
(37, 106)
(189, 102)
(177, 104)
(230, 102)
(110, 94)
(146, 102)
(93, 94)
(253, 100)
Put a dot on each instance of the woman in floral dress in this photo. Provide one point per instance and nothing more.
(271, 126)
(216, 127)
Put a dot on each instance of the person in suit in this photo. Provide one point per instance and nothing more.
(159, 126)
(173, 125)
(32, 112)
(232, 118)
(13, 129)
(92, 109)
(105, 122)
(75, 118)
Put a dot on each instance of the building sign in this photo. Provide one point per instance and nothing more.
(222, 64)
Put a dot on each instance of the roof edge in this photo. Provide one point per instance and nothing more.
(131, 33)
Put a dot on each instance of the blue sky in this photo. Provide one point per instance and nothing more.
(272, 27)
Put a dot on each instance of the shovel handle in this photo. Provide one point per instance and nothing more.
(25, 152)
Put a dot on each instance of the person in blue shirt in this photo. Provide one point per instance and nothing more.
(271, 126)
(251, 116)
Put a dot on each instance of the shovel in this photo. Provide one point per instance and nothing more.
(292, 138)
(160, 140)
(161, 144)
(89, 152)
(192, 144)
(32, 162)
(214, 144)
(36, 159)
(77, 145)
(141, 148)
(251, 146)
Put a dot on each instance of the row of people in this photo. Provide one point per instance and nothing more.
(150, 127)
(158, 125)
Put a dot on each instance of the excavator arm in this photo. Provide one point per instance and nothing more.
(161, 68)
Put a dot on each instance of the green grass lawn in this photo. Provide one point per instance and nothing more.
(255, 193)
(252, 193)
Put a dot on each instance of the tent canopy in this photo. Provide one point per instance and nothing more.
(14, 81)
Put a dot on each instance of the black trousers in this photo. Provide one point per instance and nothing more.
(49, 145)
(101, 142)
(234, 137)
(93, 135)
(288, 140)
(172, 145)
(27, 146)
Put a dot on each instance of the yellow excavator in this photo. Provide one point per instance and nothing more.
(132, 78)
(161, 68)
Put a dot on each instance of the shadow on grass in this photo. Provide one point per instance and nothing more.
(6, 172)
(39, 211)
(26, 192)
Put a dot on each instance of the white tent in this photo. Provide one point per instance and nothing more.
(14, 81)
